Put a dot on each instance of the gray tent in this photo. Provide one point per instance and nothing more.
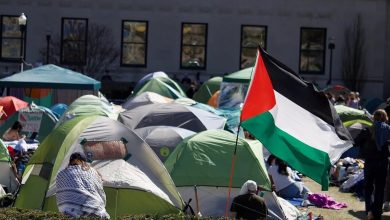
(144, 99)
(175, 115)
(163, 139)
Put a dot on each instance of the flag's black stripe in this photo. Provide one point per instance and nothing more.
(303, 93)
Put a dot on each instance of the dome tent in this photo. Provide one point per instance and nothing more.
(7, 177)
(88, 105)
(175, 115)
(11, 105)
(208, 155)
(145, 98)
(163, 139)
(34, 118)
(139, 179)
(161, 85)
(207, 89)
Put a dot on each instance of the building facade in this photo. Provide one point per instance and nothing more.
(204, 38)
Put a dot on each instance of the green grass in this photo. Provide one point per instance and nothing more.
(355, 209)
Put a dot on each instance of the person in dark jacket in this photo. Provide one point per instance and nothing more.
(373, 142)
(248, 205)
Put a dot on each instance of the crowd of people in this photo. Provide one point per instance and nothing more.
(373, 143)
(351, 99)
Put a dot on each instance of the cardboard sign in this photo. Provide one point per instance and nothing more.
(30, 120)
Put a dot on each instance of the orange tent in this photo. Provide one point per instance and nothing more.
(213, 101)
(10, 105)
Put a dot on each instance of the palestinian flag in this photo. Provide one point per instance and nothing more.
(292, 120)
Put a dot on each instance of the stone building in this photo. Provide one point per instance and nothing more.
(203, 38)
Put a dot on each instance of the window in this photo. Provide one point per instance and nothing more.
(134, 43)
(193, 46)
(11, 39)
(312, 51)
(74, 41)
(251, 37)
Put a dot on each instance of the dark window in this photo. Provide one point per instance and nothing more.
(74, 41)
(312, 51)
(134, 43)
(251, 37)
(193, 46)
(11, 39)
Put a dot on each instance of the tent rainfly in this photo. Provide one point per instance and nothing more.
(50, 76)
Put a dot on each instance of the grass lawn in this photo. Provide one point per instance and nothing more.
(355, 209)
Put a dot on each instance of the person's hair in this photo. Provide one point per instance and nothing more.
(380, 115)
(78, 157)
(270, 159)
(282, 166)
(17, 126)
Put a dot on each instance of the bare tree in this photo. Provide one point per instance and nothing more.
(354, 67)
(101, 51)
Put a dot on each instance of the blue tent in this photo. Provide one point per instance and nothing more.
(50, 76)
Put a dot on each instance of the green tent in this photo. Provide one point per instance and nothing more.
(208, 155)
(241, 76)
(208, 89)
(34, 119)
(89, 105)
(350, 116)
(137, 183)
(7, 177)
(161, 85)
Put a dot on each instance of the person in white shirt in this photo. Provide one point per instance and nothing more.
(285, 184)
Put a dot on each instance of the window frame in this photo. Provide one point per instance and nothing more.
(6, 59)
(205, 46)
(84, 62)
(241, 38)
(146, 44)
(322, 72)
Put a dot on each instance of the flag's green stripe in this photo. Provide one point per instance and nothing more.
(310, 161)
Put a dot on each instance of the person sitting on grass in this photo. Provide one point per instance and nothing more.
(13, 133)
(80, 190)
(248, 205)
(285, 183)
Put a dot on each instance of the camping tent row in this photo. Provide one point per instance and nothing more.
(133, 174)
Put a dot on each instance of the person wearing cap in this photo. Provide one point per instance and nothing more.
(248, 205)
(79, 189)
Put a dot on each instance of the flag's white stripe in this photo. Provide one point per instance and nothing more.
(308, 128)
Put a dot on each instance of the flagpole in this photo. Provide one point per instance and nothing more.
(235, 153)
(232, 172)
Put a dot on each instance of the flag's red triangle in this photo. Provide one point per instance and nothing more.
(260, 97)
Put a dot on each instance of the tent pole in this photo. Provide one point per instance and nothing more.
(196, 201)
(232, 173)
